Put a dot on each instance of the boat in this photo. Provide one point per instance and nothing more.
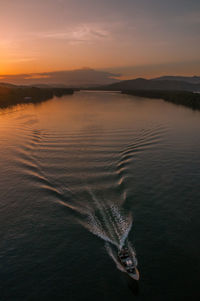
(128, 263)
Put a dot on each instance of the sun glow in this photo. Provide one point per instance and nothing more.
(43, 36)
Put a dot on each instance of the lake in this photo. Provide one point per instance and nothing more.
(77, 172)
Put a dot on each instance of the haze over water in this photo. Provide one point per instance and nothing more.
(133, 163)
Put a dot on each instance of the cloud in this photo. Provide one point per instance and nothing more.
(74, 78)
(79, 34)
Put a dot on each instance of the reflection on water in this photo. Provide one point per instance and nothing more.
(122, 167)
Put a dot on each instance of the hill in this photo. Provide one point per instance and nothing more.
(152, 84)
(188, 79)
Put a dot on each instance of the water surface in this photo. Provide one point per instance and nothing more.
(72, 170)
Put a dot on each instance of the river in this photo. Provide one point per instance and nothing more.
(84, 173)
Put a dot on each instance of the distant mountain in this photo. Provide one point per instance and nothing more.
(85, 77)
(188, 79)
(152, 84)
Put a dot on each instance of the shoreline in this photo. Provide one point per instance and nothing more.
(10, 96)
(185, 98)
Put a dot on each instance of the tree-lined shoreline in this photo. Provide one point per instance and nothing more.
(12, 95)
(185, 98)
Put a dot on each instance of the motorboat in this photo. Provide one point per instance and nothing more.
(128, 263)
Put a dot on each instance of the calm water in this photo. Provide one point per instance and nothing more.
(75, 169)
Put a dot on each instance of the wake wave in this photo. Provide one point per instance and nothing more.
(108, 222)
(112, 225)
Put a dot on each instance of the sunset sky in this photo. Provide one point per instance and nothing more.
(131, 37)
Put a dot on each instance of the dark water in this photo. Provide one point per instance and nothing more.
(74, 172)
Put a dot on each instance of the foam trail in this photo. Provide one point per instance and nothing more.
(107, 222)
(104, 219)
(125, 235)
(96, 229)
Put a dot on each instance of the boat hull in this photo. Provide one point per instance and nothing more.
(135, 276)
